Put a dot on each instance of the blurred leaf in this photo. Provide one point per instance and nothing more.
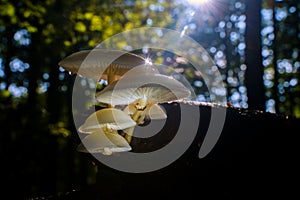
(80, 27)
(4, 94)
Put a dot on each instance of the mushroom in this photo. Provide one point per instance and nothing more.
(142, 92)
(100, 141)
(101, 63)
(107, 118)
(102, 126)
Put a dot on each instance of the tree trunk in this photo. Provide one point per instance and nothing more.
(255, 71)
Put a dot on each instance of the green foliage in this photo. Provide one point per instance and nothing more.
(60, 129)
(7, 11)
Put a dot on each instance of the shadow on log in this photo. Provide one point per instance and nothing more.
(255, 157)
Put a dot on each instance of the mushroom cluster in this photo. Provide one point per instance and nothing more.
(135, 86)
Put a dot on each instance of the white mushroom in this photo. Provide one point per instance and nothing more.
(101, 63)
(143, 90)
(107, 118)
(103, 142)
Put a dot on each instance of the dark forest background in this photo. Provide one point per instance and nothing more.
(254, 43)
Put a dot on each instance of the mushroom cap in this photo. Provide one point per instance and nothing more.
(155, 88)
(114, 118)
(142, 69)
(105, 143)
(97, 63)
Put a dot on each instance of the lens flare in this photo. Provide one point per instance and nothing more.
(148, 61)
(197, 2)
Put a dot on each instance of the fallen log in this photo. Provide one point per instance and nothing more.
(254, 157)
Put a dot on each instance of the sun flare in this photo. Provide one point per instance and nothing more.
(197, 2)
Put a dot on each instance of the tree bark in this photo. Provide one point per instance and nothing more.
(255, 71)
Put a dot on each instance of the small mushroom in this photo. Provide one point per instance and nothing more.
(142, 92)
(107, 118)
(112, 64)
(103, 142)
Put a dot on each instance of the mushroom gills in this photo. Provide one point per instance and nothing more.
(155, 88)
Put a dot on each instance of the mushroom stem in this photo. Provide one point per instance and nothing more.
(110, 79)
(135, 117)
(141, 106)
(110, 76)
(129, 133)
(110, 106)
